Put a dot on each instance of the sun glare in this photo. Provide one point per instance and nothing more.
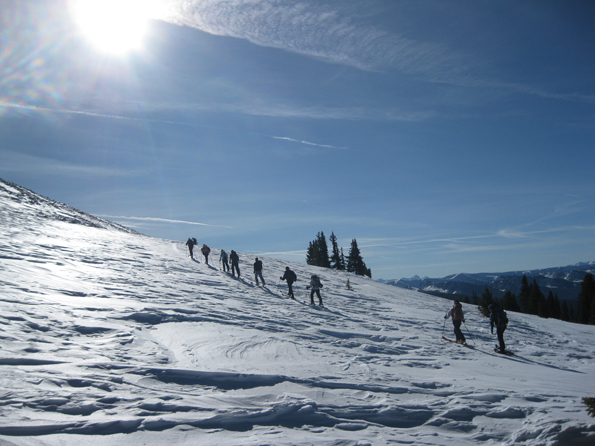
(114, 26)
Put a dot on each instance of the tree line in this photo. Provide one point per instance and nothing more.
(531, 300)
(318, 255)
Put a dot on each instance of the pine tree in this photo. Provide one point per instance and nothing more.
(524, 294)
(509, 302)
(564, 312)
(355, 262)
(474, 298)
(312, 253)
(336, 255)
(586, 300)
(343, 264)
(571, 315)
(590, 403)
(535, 296)
(551, 305)
(317, 253)
(353, 257)
(323, 258)
(557, 309)
(485, 301)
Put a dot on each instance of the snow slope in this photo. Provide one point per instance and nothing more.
(111, 337)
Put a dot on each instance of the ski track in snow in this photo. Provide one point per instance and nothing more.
(115, 336)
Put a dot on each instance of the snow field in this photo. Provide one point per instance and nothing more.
(108, 336)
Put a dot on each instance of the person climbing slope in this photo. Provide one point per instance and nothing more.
(316, 286)
(223, 260)
(500, 320)
(235, 263)
(205, 252)
(190, 243)
(456, 312)
(258, 271)
(290, 277)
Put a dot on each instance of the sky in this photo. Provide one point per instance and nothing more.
(445, 137)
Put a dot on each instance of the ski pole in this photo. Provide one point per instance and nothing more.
(443, 327)
(469, 333)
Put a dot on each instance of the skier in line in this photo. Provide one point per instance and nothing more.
(498, 317)
(290, 277)
(205, 252)
(190, 243)
(456, 312)
(258, 271)
(223, 260)
(315, 285)
(235, 263)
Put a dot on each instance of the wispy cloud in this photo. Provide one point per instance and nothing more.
(277, 110)
(262, 111)
(332, 32)
(285, 138)
(162, 220)
(325, 31)
(19, 162)
(36, 108)
(456, 241)
(522, 234)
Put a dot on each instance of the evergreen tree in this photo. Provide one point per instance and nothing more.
(535, 297)
(586, 300)
(551, 305)
(474, 298)
(590, 403)
(336, 255)
(343, 264)
(486, 300)
(509, 302)
(557, 309)
(312, 254)
(355, 262)
(564, 312)
(524, 294)
(323, 258)
(317, 253)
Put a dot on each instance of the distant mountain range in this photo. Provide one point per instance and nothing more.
(565, 281)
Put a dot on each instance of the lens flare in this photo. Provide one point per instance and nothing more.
(114, 26)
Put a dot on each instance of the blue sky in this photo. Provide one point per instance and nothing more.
(445, 137)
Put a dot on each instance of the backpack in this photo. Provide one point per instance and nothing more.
(502, 320)
(457, 313)
(294, 278)
(317, 282)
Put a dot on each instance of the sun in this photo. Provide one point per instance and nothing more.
(114, 26)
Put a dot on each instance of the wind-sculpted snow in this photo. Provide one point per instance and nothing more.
(123, 339)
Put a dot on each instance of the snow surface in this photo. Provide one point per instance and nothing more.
(111, 337)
